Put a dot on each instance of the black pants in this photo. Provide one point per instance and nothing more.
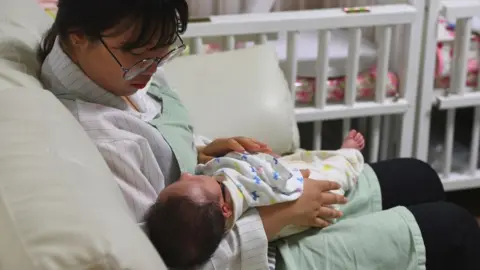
(450, 233)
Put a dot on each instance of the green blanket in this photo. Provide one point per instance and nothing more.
(365, 238)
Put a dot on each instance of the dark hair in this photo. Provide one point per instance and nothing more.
(163, 18)
(185, 233)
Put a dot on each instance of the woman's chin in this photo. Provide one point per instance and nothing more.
(128, 92)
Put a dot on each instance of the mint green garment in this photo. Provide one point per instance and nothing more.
(365, 238)
(174, 125)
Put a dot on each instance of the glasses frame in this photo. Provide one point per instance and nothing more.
(155, 60)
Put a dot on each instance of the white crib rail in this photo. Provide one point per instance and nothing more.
(386, 18)
(458, 95)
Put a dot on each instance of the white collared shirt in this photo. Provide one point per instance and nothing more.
(138, 156)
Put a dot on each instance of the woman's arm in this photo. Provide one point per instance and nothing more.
(127, 160)
(275, 217)
(244, 247)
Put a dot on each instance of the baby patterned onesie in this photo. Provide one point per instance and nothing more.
(261, 179)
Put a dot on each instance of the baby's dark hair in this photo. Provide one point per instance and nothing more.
(184, 232)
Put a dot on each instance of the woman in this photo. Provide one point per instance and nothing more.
(96, 57)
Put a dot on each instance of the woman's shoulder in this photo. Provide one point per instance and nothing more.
(103, 123)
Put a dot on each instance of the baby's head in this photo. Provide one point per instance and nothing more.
(187, 222)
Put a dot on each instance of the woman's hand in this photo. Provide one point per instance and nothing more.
(313, 208)
(221, 147)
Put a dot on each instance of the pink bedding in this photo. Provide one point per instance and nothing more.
(305, 88)
(444, 56)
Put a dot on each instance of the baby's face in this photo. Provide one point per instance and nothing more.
(197, 187)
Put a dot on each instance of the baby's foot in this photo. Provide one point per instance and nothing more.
(354, 140)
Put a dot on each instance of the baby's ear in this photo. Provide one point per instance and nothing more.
(227, 211)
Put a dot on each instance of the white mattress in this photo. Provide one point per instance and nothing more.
(337, 51)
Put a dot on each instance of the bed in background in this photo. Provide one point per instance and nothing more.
(358, 63)
(448, 115)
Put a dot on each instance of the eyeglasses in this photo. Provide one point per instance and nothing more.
(143, 65)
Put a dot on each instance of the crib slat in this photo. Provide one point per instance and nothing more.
(354, 36)
(321, 82)
(462, 43)
(322, 69)
(219, 7)
(386, 132)
(450, 133)
(278, 5)
(396, 46)
(478, 59)
(262, 39)
(475, 142)
(375, 138)
(197, 47)
(292, 60)
(384, 38)
(317, 135)
(229, 43)
(346, 126)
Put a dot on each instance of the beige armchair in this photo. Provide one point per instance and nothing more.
(59, 205)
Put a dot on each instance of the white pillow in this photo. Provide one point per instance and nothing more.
(60, 207)
(22, 24)
(237, 93)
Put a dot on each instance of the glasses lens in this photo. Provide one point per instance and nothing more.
(142, 66)
(138, 68)
(171, 55)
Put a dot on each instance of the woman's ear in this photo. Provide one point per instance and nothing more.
(78, 43)
(78, 39)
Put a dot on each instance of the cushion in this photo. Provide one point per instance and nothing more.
(22, 24)
(59, 205)
(237, 93)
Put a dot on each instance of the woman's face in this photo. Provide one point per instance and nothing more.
(101, 67)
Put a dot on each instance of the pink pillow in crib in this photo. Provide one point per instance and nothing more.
(50, 6)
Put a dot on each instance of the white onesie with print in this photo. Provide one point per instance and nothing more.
(260, 179)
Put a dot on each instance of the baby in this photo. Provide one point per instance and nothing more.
(191, 216)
